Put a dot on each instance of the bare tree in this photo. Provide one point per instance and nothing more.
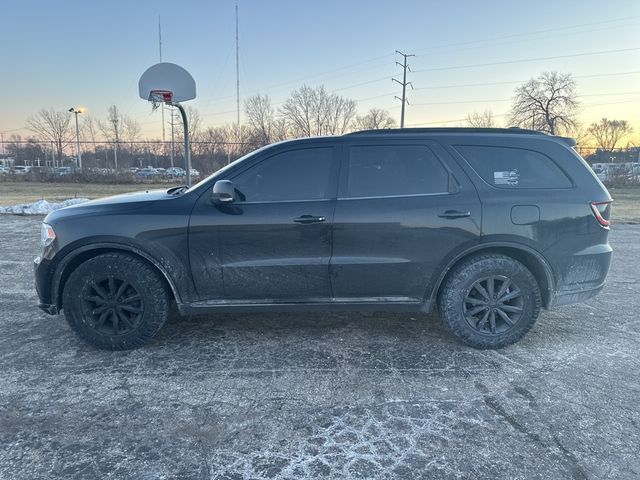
(582, 137)
(195, 130)
(53, 126)
(112, 130)
(90, 131)
(374, 119)
(547, 103)
(264, 126)
(484, 119)
(313, 111)
(607, 133)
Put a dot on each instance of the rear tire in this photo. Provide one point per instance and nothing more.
(115, 301)
(490, 301)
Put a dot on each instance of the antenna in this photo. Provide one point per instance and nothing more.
(237, 69)
(160, 48)
(160, 37)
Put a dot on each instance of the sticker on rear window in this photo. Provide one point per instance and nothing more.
(509, 177)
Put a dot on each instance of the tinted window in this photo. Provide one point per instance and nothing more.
(395, 170)
(295, 175)
(505, 167)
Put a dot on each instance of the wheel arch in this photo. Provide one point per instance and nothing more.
(530, 258)
(86, 252)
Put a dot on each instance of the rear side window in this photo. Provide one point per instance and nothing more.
(514, 168)
(386, 170)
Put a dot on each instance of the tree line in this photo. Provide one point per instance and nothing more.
(548, 103)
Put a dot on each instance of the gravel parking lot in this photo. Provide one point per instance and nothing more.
(320, 395)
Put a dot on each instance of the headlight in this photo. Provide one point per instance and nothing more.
(47, 235)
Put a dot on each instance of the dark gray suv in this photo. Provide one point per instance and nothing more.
(486, 225)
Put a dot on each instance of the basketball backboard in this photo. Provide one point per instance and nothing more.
(169, 78)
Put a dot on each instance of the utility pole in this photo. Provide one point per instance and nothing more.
(76, 111)
(404, 83)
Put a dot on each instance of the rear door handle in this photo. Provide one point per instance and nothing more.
(305, 219)
(454, 214)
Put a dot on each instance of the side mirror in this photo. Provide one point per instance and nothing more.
(223, 192)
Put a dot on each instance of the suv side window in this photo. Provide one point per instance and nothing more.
(394, 170)
(515, 168)
(303, 174)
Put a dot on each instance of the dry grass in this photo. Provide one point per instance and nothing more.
(626, 204)
(626, 207)
(12, 193)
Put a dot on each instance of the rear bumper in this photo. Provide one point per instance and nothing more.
(582, 275)
(577, 296)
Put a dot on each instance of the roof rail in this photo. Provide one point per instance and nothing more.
(392, 131)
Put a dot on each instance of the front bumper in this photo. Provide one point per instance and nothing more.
(43, 279)
(48, 308)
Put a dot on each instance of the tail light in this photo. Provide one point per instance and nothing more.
(602, 212)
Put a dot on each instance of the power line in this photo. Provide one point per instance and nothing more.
(510, 82)
(525, 60)
(523, 34)
(510, 99)
(504, 114)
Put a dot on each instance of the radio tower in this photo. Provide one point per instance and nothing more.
(160, 48)
(237, 70)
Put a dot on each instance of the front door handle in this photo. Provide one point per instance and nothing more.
(305, 219)
(454, 214)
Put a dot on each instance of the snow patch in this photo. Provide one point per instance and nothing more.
(41, 207)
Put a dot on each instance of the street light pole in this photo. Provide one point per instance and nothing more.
(76, 111)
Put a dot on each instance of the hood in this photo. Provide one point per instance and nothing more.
(123, 202)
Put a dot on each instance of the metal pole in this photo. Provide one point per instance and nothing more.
(237, 69)
(172, 139)
(187, 148)
(78, 142)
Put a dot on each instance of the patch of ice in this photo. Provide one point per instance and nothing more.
(41, 207)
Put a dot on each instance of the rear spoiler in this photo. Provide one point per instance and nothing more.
(571, 142)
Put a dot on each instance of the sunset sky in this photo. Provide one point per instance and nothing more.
(91, 54)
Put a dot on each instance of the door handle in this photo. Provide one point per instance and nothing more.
(454, 214)
(306, 219)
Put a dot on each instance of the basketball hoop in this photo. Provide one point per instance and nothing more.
(170, 84)
(158, 97)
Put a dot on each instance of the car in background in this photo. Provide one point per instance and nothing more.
(4, 170)
(21, 170)
(62, 171)
(147, 172)
(176, 172)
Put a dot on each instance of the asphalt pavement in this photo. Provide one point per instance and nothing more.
(320, 395)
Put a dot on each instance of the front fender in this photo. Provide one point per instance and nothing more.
(174, 272)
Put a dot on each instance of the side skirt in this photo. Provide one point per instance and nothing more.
(383, 304)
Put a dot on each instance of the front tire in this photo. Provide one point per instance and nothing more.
(490, 301)
(115, 301)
